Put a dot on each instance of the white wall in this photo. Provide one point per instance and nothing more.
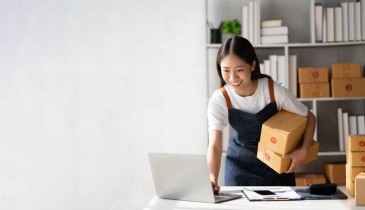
(87, 88)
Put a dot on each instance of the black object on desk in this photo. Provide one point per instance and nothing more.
(321, 192)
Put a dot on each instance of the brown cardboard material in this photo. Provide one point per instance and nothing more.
(283, 131)
(353, 171)
(308, 179)
(335, 173)
(350, 87)
(360, 189)
(355, 158)
(314, 90)
(350, 187)
(346, 70)
(356, 142)
(312, 74)
(277, 162)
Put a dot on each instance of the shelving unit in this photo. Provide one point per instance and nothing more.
(296, 14)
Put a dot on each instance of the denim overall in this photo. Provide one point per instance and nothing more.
(243, 168)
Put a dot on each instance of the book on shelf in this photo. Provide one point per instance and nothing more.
(352, 125)
(267, 66)
(345, 123)
(318, 22)
(245, 22)
(324, 26)
(338, 24)
(278, 30)
(351, 18)
(250, 21)
(330, 24)
(271, 23)
(358, 21)
(345, 21)
(274, 66)
(340, 130)
(360, 124)
(363, 19)
(292, 71)
(282, 71)
(275, 39)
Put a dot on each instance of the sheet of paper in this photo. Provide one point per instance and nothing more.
(271, 194)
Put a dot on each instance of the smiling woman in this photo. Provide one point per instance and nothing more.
(246, 100)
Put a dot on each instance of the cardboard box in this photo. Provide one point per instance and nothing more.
(308, 179)
(314, 90)
(279, 164)
(350, 87)
(346, 70)
(355, 158)
(360, 189)
(353, 171)
(283, 131)
(335, 173)
(356, 143)
(312, 74)
(350, 187)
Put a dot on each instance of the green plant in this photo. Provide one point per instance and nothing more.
(231, 27)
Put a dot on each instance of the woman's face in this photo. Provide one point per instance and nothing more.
(236, 72)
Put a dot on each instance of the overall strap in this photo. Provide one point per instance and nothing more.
(271, 89)
(226, 96)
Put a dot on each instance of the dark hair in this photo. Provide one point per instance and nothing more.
(243, 49)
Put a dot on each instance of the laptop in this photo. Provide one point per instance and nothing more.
(184, 177)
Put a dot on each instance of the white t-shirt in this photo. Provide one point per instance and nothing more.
(218, 111)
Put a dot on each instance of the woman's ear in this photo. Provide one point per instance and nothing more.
(253, 66)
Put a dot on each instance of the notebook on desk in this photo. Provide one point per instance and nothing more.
(184, 177)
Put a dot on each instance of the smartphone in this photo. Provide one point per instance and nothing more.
(264, 192)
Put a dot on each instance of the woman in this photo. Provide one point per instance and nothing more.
(245, 101)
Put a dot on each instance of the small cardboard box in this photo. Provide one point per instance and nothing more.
(355, 158)
(312, 74)
(346, 70)
(308, 179)
(350, 87)
(353, 171)
(314, 90)
(283, 131)
(356, 143)
(360, 189)
(277, 162)
(336, 173)
(350, 187)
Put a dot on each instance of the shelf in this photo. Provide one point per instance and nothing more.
(332, 44)
(331, 153)
(331, 99)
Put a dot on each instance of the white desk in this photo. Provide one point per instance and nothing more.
(242, 204)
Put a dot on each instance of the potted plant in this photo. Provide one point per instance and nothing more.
(230, 28)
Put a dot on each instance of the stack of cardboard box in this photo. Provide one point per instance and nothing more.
(308, 179)
(347, 80)
(355, 161)
(313, 82)
(280, 135)
(335, 173)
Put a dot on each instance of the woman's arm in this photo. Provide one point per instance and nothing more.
(214, 156)
(298, 156)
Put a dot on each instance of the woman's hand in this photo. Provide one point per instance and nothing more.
(298, 156)
(215, 187)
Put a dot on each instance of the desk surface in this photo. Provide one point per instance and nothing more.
(242, 203)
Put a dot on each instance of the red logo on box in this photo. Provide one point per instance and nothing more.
(362, 143)
(348, 87)
(267, 156)
(315, 74)
(273, 140)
